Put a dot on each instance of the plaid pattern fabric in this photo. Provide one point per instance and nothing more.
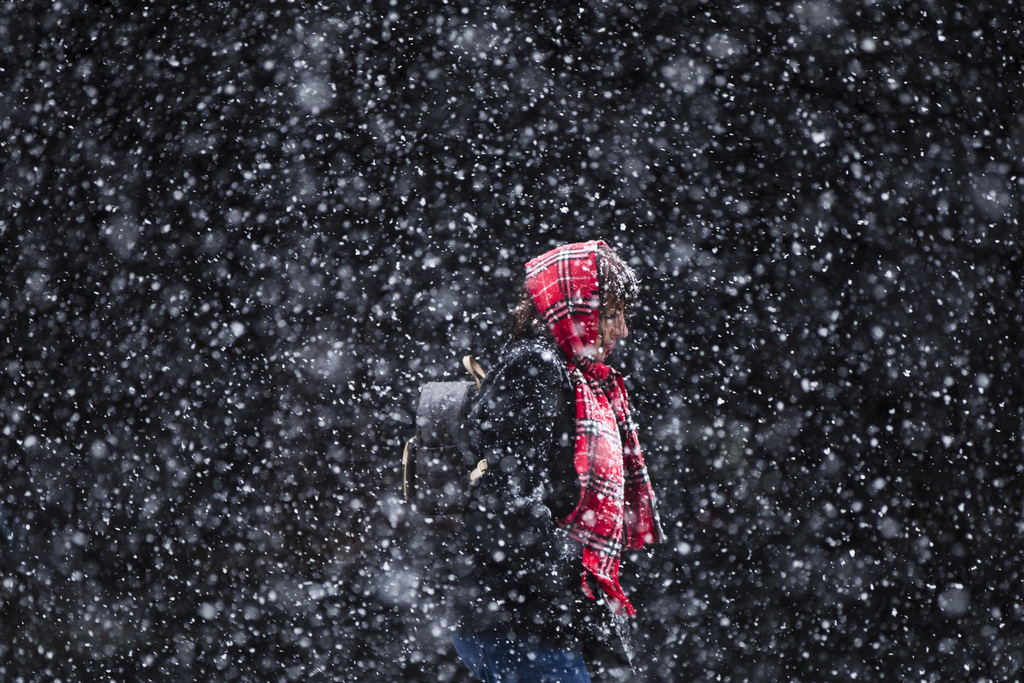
(617, 505)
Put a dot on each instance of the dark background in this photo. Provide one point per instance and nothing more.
(236, 237)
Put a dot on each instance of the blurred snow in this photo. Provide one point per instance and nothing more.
(237, 237)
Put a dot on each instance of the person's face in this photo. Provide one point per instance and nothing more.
(611, 328)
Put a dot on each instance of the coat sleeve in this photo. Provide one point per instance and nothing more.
(526, 430)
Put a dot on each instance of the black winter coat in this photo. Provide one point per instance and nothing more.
(514, 570)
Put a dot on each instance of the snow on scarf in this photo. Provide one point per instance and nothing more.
(617, 504)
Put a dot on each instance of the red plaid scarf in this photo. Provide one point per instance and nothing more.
(617, 505)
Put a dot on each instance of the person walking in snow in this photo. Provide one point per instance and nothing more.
(536, 594)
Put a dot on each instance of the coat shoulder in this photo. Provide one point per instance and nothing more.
(529, 374)
(534, 353)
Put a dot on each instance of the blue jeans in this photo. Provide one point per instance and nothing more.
(495, 659)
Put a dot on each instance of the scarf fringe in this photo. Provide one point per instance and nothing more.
(613, 593)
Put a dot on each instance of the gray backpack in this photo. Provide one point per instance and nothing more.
(438, 462)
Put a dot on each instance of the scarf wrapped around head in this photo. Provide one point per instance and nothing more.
(617, 504)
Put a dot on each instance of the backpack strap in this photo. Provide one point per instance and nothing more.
(474, 369)
(405, 469)
(477, 372)
(478, 471)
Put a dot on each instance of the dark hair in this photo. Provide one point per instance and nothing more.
(616, 283)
